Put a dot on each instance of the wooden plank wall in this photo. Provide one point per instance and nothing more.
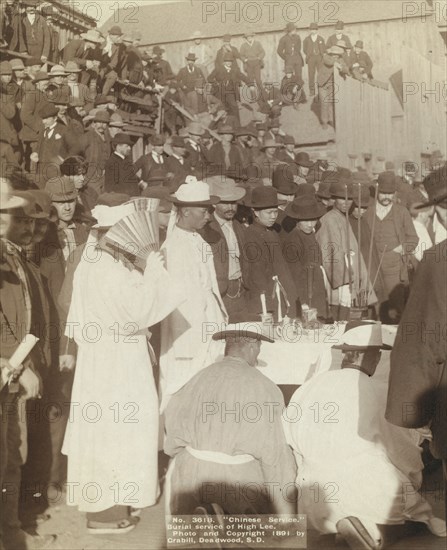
(363, 123)
(383, 40)
(425, 120)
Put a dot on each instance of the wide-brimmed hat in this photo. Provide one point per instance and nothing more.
(436, 186)
(191, 57)
(313, 26)
(225, 129)
(290, 27)
(359, 44)
(196, 34)
(249, 32)
(101, 116)
(289, 140)
(17, 65)
(324, 190)
(39, 205)
(8, 198)
(40, 76)
(387, 183)
(116, 120)
(304, 189)
(226, 37)
(57, 70)
(262, 198)
(283, 182)
(193, 193)
(156, 50)
(305, 208)
(72, 67)
(48, 110)
(225, 188)
(92, 35)
(61, 189)
(195, 129)
(339, 26)
(340, 186)
(342, 44)
(269, 143)
(361, 335)
(5, 68)
(303, 159)
(250, 331)
(122, 139)
(336, 50)
(157, 140)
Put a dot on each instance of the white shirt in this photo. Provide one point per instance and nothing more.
(234, 266)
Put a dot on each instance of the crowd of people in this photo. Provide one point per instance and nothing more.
(249, 228)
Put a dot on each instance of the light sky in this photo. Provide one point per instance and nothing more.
(104, 9)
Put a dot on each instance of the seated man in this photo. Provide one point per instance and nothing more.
(225, 458)
(368, 469)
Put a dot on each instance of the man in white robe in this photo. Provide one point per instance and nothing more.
(112, 435)
(357, 474)
(186, 343)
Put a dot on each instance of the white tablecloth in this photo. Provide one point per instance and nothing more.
(301, 357)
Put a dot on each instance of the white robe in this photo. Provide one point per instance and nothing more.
(186, 344)
(351, 461)
(112, 434)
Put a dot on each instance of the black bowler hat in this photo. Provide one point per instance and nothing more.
(436, 186)
(303, 159)
(387, 182)
(305, 208)
(122, 139)
(262, 198)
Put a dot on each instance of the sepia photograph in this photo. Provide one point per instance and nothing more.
(223, 274)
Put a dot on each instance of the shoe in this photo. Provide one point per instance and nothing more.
(436, 526)
(356, 535)
(119, 528)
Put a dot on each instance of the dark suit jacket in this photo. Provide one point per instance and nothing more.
(289, 47)
(187, 79)
(13, 314)
(310, 47)
(216, 157)
(97, 152)
(265, 259)
(220, 55)
(49, 151)
(362, 59)
(229, 81)
(76, 51)
(417, 392)
(214, 236)
(120, 176)
(179, 170)
(32, 39)
(149, 167)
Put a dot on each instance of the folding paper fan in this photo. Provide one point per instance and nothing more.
(136, 234)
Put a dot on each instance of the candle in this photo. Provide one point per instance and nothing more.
(264, 304)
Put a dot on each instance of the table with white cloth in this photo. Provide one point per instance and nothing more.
(299, 357)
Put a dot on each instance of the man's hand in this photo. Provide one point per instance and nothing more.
(399, 249)
(34, 157)
(67, 363)
(44, 58)
(30, 382)
(143, 185)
